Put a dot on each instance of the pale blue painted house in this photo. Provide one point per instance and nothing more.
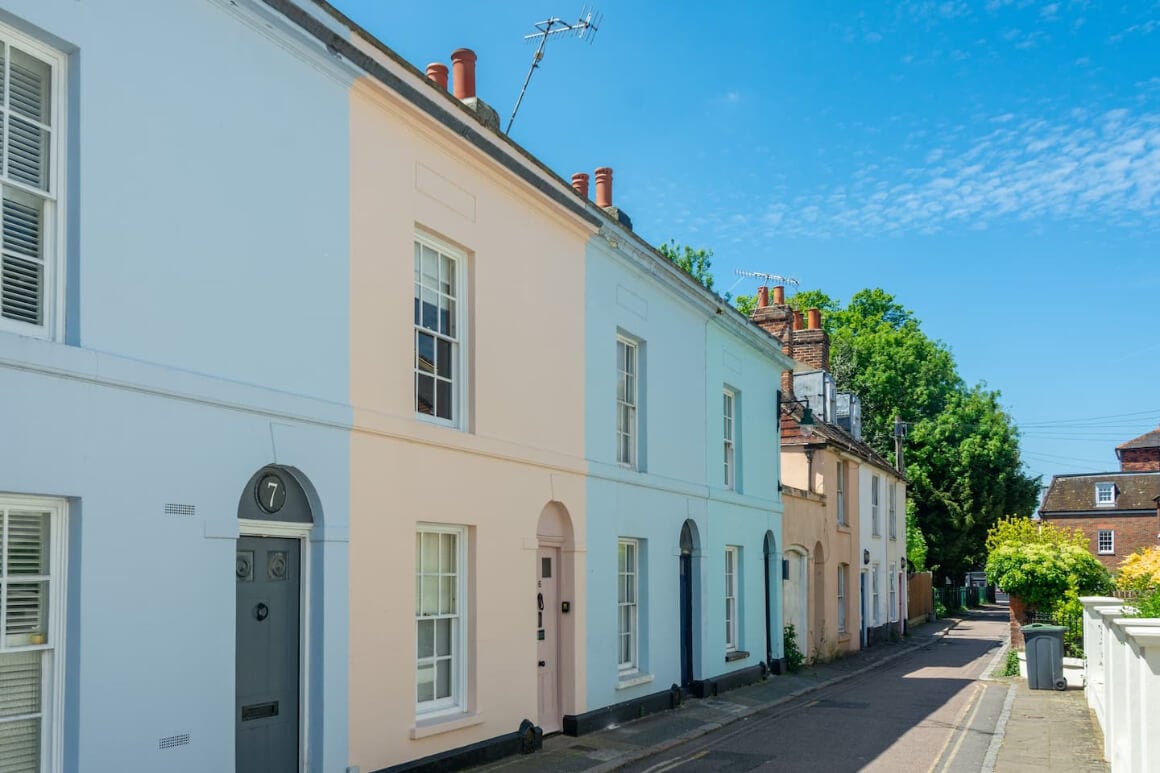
(172, 322)
(683, 501)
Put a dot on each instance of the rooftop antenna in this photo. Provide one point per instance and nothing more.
(585, 29)
(766, 279)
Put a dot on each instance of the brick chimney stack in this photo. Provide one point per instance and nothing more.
(762, 297)
(777, 320)
(812, 345)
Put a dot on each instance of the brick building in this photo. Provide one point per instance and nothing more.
(1118, 511)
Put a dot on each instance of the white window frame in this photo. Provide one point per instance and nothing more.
(1110, 550)
(457, 701)
(459, 343)
(732, 597)
(875, 526)
(628, 399)
(729, 411)
(51, 711)
(840, 492)
(53, 253)
(843, 575)
(892, 613)
(632, 578)
(876, 599)
(892, 509)
(1110, 490)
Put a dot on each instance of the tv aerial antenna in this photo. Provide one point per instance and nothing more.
(585, 29)
(766, 279)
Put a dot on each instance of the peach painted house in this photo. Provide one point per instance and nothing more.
(467, 476)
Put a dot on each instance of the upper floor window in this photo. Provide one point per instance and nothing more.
(30, 127)
(875, 528)
(1105, 494)
(892, 510)
(439, 332)
(840, 491)
(1106, 542)
(729, 401)
(627, 361)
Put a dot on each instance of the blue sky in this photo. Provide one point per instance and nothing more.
(993, 164)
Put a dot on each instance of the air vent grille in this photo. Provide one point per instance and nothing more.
(174, 509)
(170, 741)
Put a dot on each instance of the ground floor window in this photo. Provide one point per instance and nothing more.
(732, 555)
(440, 619)
(1106, 542)
(892, 615)
(843, 571)
(31, 621)
(627, 604)
(874, 597)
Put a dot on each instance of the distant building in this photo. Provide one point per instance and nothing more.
(1118, 511)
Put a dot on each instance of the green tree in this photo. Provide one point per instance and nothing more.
(745, 303)
(915, 541)
(696, 262)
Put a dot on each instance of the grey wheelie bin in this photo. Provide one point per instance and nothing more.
(1044, 656)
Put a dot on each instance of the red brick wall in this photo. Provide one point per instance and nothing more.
(812, 347)
(778, 322)
(1140, 459)
(1131, 533)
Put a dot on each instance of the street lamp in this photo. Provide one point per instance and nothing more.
(806, 423)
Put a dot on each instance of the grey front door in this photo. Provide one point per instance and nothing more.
(269, 572)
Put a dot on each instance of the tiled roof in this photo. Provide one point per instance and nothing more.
(1147, 440)
(1077, 493)
(830, 434)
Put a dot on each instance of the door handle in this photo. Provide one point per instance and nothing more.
(543, 664)
(540, 600)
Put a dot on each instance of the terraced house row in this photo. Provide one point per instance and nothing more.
(488, 465)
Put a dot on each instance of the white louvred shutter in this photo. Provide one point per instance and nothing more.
(25, 554)
(26, 148)
(20, 680)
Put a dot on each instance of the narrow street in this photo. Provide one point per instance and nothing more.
(927, 712)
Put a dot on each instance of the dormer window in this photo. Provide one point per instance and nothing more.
(1105, 494)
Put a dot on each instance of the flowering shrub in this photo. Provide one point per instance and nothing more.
(1043, 564)
(1140, 571)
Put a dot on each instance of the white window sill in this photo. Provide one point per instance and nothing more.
(444, 724)
(633, 680)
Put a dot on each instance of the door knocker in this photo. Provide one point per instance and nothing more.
(261, 612)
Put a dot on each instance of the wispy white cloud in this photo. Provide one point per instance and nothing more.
(1101, 168)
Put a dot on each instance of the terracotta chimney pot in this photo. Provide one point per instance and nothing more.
(762, 297)
(797, 320)
(463, 72)
(604, 186)
(815, 319)
(580, 183)
(437, 74)
(779, 295)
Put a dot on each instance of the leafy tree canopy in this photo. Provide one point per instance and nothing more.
(1140, 571)
(915, 541)
(696, 262)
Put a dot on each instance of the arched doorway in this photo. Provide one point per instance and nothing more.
(690, 554)
(555, 631)
(276, 513)
(772, 583)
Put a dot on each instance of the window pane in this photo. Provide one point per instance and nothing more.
(443, 399)
(447, 595)
(418, 266)
(447, 276)
(20, 746)
(429, 603)
(448, 319)
(443, 359)
(30, 84)
(19, 686)
(27, 549)
(629, 590)
(447, 552)
(425, 394)
(430, 268)
(426, 645)
(426, 675)
(431, 551)
(443, 678)
(630, 558)
(443, 637)
(425, 352)
(26, 613)
(27, 153)
(430, 318)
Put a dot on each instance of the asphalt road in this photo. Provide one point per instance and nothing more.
(927, 712)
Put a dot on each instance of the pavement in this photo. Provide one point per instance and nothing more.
(1036, 730)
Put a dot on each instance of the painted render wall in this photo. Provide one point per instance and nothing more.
(207, 337)
(883, 550)
(678, 405)
(810, 520)
(523, 450)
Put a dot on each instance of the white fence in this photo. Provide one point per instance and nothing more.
(1123, 682)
